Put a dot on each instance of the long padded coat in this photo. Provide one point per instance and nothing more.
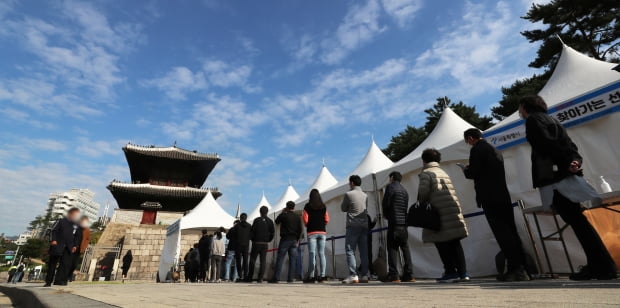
(436, 187)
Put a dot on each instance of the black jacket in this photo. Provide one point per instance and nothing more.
(263, 230)
(67, 235)
(194, 258)
(290, 226)
(552, 149)
(127, 259)
(204, 247)
(316, 219)
(486, 168)
(231, 235)
(395, 204)
(243, 231)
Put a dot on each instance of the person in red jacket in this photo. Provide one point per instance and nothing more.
(316, 218)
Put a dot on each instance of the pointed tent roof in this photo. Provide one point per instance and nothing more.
(323, 181)
(374, 160)
(574, 75)
(207, 214)
(289, 195)
(256, 212)
(238, 211)
(449, 130)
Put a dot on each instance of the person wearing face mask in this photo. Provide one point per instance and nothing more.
(85, 229)
(66, 237)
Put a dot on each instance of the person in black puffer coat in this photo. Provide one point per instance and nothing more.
(395, 203)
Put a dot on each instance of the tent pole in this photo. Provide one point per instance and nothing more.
(379, 216)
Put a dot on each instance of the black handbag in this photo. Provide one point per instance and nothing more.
(424, 215)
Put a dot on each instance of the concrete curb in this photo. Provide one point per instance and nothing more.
(38, 297)
(22, 297)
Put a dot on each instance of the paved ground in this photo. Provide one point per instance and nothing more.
(5, 301)
(478, 293)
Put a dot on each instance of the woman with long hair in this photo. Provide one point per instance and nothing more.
(218, 251)
(316, 218)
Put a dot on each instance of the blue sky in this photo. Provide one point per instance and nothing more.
(272, 86)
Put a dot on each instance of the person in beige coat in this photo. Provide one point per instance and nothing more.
(436, 187)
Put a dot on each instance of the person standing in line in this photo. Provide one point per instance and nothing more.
(371, 225)
(316, 218)
(127, 259)
(85, 229)
(187, 265)
(436, 188)
(230, 270)
(395, 204)
(194, 258)
(263, 232)
(486, 168)
(218, 250)
(65, 239)
(18, 273)
(243, 232)
(355, 204)
(556, 157)
(204, 248)
(290, 234)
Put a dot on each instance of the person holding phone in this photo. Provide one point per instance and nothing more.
(486, 168)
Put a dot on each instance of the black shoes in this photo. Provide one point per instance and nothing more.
(515, 275)
(585, 273)
(310, 280)
(47, 285)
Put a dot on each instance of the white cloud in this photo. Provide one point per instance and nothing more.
(97, 29)
(475, 50)
(248, 45)
(45, 144)
(360, 26)
(25, 189)
(342, 97)
(77, 60)
(20, 116)
(222, 74)
(217, 120)
(43, 97)
(178, 82)
(99, 148)
(402, 11)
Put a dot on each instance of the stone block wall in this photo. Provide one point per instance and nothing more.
(146, 243)
(133, 217)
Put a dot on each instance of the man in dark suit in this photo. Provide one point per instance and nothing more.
(486, 168)
(64, 242)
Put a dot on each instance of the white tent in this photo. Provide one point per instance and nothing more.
(256, 212)
(578, 84)
(323, 181)
(208, 214)
(374, 160)
(289, 195)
